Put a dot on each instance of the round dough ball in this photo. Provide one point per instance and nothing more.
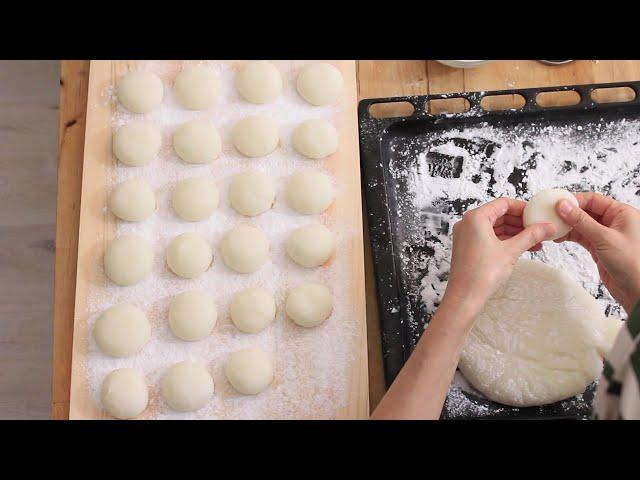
(255, 136)
(136, 143)
(539, 339)
(311, 246)
(315, 138)
(319, 83)
(128, 260)
(192, 316)
(259, 82)
(249, 371)
(244, 248)
(195, 199)
(197, 141)
(252, 193)
(252, 310)
(309, 304)
(310, 192)
(132, 200)
(189, 255)
(187, 386)
(140, 92)
(196, 88)
(124, 393)
(541, 208)
(122, 331)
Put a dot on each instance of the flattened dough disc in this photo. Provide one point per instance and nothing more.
(540, 339)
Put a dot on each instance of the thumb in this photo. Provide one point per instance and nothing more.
(580, 221)
(531, 236)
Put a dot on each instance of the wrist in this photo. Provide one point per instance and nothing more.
(462, 301)
(459, 309)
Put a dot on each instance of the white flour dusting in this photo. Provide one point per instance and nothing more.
(445, 173)
(311, 365)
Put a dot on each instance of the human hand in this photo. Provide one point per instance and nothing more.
(487, 242)
(610, 231)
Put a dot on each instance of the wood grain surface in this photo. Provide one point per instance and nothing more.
(97, 230)
(376, 78)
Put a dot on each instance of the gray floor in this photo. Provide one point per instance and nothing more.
(28, 161)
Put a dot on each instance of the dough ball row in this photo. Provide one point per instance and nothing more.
(186, 386)
(137, 143)
(128, 259)
(251, 193)
(123, 331)
(198, 87)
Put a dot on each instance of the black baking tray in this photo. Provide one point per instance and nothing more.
(379, 142)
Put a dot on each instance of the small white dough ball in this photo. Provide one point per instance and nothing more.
(196, 88)
(128, 260)
(309, 304)
(259, 82)
(189, 255)
(244, 248)
(192, 316)
(122, 330)
(252, 310)
(195, 199)
(124, 393)
(252, 193)
(255, 136)
(140, 92)
(187, 386)
(319, 83)
(311, 246)
(315, 138)
(310, 192)
(132, 200)
(541, 208)
(136, 143)
(197, 141)
(249, 371)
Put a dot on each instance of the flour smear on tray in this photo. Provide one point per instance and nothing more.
(459, 169)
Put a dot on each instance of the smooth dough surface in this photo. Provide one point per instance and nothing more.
(244, 248)
(259, 82)
(541, 208)
(122, 330)
(140, 92)
(189, 255)
(192, 315)
(124, 393)
(187, 386)
(196, 88)
(540, 339)
(309, 304)
(128, 260)
(255, 136)
(197, 141)
(195, 199)
(137, 143)
(319, 83)
(252, 192)
(252, 310)
(132, 200)
(311, 245)
(310, 192)
(315, 138)
(249, 371)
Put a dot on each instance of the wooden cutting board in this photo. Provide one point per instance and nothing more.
(97, 229)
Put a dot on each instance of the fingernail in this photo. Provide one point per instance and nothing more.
(564, 207)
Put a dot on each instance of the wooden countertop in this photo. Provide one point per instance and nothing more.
(379, 78)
